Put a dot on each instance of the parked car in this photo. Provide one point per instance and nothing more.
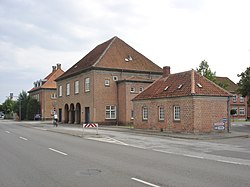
(2, 115)
(38, 117)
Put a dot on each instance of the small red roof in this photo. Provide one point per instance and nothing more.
(182, 84)
(49, 81)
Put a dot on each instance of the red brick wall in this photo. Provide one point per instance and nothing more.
(197, 114)
(99, 96)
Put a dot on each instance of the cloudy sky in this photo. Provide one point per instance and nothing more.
(35, 35)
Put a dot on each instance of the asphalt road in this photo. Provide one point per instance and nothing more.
(32, 157)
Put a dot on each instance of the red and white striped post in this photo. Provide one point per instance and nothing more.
(90, 125)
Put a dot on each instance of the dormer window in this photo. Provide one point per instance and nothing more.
(180, 86)
(199, 85)
(129, 58)
(166, 88)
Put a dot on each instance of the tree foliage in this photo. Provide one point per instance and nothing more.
(205, 71)
(26, 106)
(244, 84)
(8, 106)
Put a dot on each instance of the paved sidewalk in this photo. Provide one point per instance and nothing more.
(77, 130)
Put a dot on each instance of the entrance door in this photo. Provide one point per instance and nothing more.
(60, 115)
(87, 115)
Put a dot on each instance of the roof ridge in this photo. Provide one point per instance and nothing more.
(104, 52)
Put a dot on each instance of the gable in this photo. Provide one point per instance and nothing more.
(113, 54)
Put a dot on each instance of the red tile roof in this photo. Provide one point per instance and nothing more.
(230, 85)
(49, 80)
(182, 84)
(113, 54)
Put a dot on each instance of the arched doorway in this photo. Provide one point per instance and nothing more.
(66, 113)
(78, 113)
(72, 113)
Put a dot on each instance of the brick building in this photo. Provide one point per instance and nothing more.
(237, 102)
(45, 92)
(100, 86)
(182, 102)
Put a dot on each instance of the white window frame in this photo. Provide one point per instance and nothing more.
(141, 89)
(60, 91)
(68, 89)
(115, 78)
(242, 113)
(234, 98)
(177, 113)
(132, 90)
(106, 82)
(87, 84)
(77, 87)
(110, 112)
(144, 113)
(161, 112)
(53, 96)
(241, 99)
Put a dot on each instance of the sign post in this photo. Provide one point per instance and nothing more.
(90, 125)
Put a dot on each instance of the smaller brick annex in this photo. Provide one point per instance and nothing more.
(181, 102)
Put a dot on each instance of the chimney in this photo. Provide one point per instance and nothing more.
(53, 68)
(166, 71)
(58, 66)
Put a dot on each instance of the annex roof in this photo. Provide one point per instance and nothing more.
(230, 85)
(182, 84)
(113, 54)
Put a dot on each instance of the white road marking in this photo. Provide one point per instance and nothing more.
(230, 162)
(168, 152)
(107, 140)
(65, 154)
(193, 156)
(7, 132)
(40, 128)
(23, 138)
(144, 182)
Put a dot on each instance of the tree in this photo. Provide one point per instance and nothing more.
(8, 106)
(244, 84)
(33, 107)
(21, 105)
(205, 71)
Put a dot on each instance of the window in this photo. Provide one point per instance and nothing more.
(110, 112)
(161, 113)
(234, 98)
(141, 89)
(76, 87)
(67, 89)
(144, 113)
(132, 114)
(60, 91)
(115, 78)
(53, 96)
(106, 82)
(241, 99)
(241, 111)
(132, 90)
(87, 84)
(177, 113)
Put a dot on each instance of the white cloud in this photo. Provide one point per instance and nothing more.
(34, 35)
